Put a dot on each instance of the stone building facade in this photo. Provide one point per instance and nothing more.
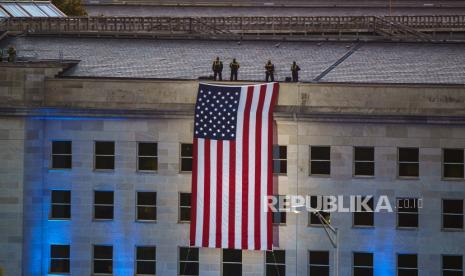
(37, 108)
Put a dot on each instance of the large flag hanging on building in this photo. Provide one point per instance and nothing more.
(232, 167)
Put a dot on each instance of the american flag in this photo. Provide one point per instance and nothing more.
(232, 167)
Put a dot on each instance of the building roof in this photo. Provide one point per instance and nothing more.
(324, 61)
(29, 9)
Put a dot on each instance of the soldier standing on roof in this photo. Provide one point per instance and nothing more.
(269, 71)
(217, 69)
(234, 65)
(11, 54)
(295, 72)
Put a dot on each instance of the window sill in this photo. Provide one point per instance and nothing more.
(408, 177)
(363, 176)
(320, 175)
(184, 222)
(59, 219)
(102, 220)
(279, 224)
(407, 228)
(145, 221)
(59, 273)
(147, 171)
(59, 169)
(452, 229)
(363, 226)
(316, 225)
(185, 172)
(453, 179)
(104, 171)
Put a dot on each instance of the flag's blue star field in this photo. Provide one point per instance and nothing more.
(216, 112)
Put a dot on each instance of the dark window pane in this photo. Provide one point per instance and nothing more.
(453, 206)
(61, 211)
(232, 269)
(103, 252)
(146, 268)
(148, 163)
(320, 153)
(407, 205)
(146, 253)
(453, 156)
(363, 271)
(452, 273)
(189, 254)
(279, 152)
(276, 256)
(146, 198)
(189, 268)
(185, 199)
(364, 168)
(103, 212)
(59, 251)
(452, 262)
(61, 196)
(61, 147)
(232, 255)
(407, 272)
(105, 162)
(363, 259)
(363, 219)
(59, 266)
(186, 164)
(407, 260)
(102, 197)
(186, 150)
(409, 169)
(453, 221)
(320, 167)
(408, 220)
(364, 154)
(314, 219)
(319, 257)
(408, 154)
(185, 214)
(279, 217)
(105, 148)
(103, 267)
(146, 213)
(319, 271)
(275, 270)
(453, 170)
(280, 166)
(61, 161)
(147, 149)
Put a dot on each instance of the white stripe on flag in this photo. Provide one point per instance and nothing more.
(252, 135)
(264, 172)
(238, 204)
(213, 171)
(200, 191)
(225, 196)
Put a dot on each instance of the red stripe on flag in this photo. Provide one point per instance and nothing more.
(206, 201)
(219, 191)
(194, 194)
(232, 193)
(258, 157)
(270, 164)
(245, 167)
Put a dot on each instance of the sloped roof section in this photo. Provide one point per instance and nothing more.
(29, 9)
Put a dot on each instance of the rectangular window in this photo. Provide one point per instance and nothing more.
(188, 261)
(364, 161)
(407, 265)
(318, 262)
(408, 162)
(279, 159)
(146, 206)
(364, 217)
(185, 207)
(452, 214)
(232, 262)
(61, 155)
(320, 160)
(407, 212)
(146, 260)
(362, 264)
(59, 258)
(280, 217)
(275, 262)
(453, 163)
(314, 218)
(61, 204)
(104, 155)
(452, 265)
(103, 259)
(103, 205)
(187, 151)
(147, 156)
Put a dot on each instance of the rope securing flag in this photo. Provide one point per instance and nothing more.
(232, 166)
